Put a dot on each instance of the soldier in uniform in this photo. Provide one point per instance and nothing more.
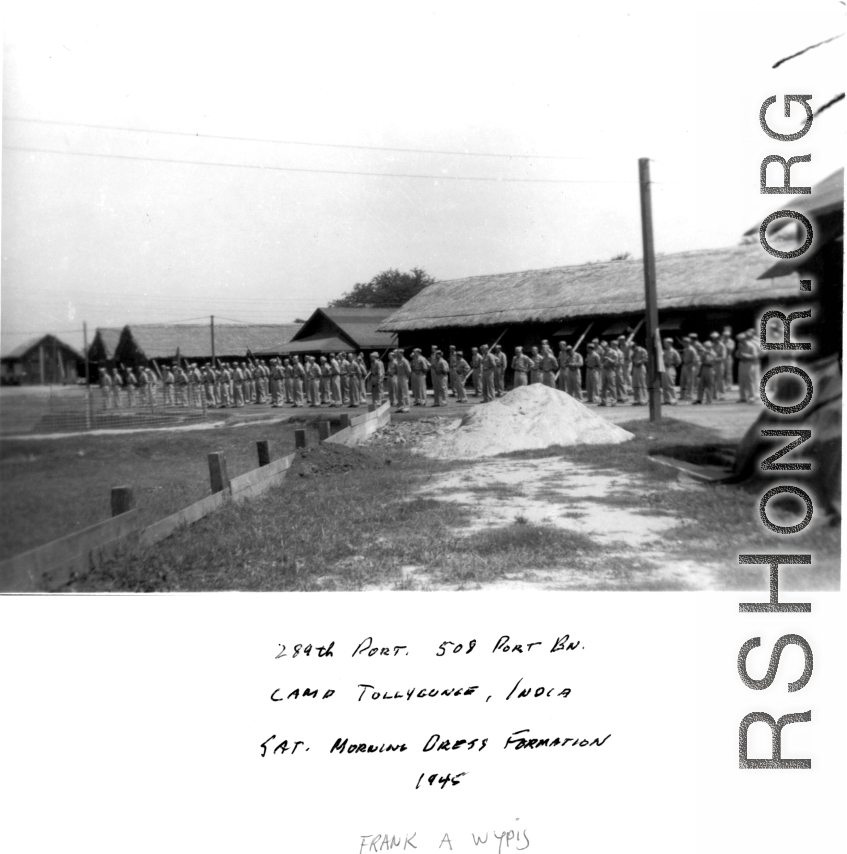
(729, 347)
(720, 355)
(500, 373)
(141, 386)
(180, 383)
(593, 374)
(105, 383)
(130, 384)
(152, 383)
(240, 380)
(451, 361)
(441, 370)
(521, 366)
(620, 371)
(562, 376)
(535, 370)
(489, 365)
(476, 370)
(548, 365)
(690, 369)
(610, 359)
(169, 386)
(573, 386)
(708, 360)
(626, 367)
(463, 370)
(334, 381)
(209, 385)
(353, 377)
(748, 364)
(344, 374)
(117, 385)
(672, 361)
(277, 383)
(420, 366)
(403, 372)
(363, 372)
(432, 376)
(377, 375)
(298, 381)
(638, 357)
(391, 379)
(314, 375)
(223, 379)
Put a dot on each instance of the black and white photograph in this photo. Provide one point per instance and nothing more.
(451, 312)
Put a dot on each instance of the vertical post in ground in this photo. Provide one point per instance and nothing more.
(217, 472)
(323, 430)
(345, 421)
(122, 500)
(299, 438)
(654, 379)
(89, 417)
(264, 450)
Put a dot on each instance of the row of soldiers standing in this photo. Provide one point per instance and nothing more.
(614, 371)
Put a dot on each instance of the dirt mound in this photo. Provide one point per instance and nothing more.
(528, 418)
(410, 433)
(327, 458)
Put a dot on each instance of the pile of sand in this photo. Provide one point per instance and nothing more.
(529, 417)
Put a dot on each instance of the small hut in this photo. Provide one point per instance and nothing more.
(42, 361)
(340, 330)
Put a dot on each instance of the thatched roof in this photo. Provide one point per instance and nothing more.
(330, 330)
(47, 340)
(708, 278)
(194, 342)
(104, 344)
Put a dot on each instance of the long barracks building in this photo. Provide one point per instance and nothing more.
(698, 292)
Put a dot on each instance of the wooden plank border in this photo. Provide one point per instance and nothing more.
(51, 564)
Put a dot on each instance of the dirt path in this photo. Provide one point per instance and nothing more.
(554, 491)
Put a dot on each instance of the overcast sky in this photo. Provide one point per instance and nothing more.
(574, 95)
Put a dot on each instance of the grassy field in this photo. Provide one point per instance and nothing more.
(52, 487)
(347, 519)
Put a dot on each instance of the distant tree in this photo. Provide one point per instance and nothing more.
(299, 320)
(621, 256)
(388, 289)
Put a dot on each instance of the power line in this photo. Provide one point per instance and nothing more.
(296, 142)
(805, 50)
(319, 171)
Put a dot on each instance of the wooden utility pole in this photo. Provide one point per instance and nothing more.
(88, 402)
(654, 379)
(213, 339)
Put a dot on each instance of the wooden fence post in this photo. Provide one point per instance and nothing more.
(345, 421)
(323, 430)
(264, 453)
(372, 407)
(122, 500)
(217, 472)
(299, 438)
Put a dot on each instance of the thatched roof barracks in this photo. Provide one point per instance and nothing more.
(139, 344)
(715, 278)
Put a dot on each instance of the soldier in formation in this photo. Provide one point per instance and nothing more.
(615, 372)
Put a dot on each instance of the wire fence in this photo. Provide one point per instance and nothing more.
(70, 409)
